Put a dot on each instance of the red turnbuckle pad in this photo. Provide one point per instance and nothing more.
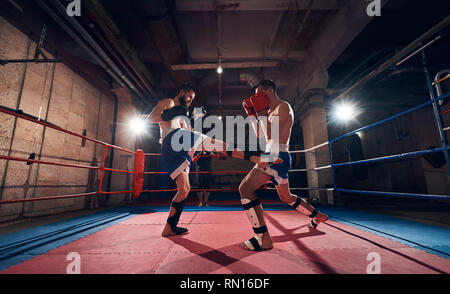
(138, 175)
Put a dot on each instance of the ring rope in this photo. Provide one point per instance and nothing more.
(441, 80)
(305, 189)
(293, 152)
(406, 195)
(106, 145)
(383, 121)
(310, 149)
(233, 171)
(233, 189)
(398, 156)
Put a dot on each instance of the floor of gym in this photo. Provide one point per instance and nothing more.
(127, 239)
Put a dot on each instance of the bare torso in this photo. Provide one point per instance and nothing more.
(155, 116)
(283, 115)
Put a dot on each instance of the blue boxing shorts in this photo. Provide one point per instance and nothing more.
(178, 149)
(279, 172)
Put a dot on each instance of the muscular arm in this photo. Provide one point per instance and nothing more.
(155, 115)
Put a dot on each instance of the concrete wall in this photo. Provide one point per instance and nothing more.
(125, 139)
(57, 94)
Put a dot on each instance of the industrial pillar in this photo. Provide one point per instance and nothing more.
(314, 124)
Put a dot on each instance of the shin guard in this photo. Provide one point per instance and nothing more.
(299, 206)
(174, 219)
(249, 207)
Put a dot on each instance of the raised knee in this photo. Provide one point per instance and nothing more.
(285, 199)
(184, 190)
(243, 190)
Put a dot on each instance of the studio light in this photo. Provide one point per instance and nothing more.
(345, 112)
(137, 125)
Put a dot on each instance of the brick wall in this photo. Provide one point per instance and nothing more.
(57, 94)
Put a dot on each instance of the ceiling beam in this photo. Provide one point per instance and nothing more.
(157, 19)
(114, 41)
(224, 65)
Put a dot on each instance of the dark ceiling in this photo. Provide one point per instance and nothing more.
(298, 43)
(402, 22)
(191, 32)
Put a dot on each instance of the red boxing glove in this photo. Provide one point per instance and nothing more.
(248, 107)
(260, 102)
(196, 157)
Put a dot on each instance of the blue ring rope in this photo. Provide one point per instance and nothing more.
(392, 117)
(407, 195)
(398, 156)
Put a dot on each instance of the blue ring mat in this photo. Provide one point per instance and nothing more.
(22, 245)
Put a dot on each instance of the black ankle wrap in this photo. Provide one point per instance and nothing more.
(173, 220)
(251, 204)
(297, 203)
(260, 230)
(313, 214)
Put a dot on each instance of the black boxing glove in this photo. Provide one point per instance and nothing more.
(173, 112)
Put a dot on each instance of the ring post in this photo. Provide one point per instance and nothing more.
(138, 175)
(332, 165)
(102, 169)
(436, 110)
(333, 176)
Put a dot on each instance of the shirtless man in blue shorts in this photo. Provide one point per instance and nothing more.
(180, 144)
(265, 103)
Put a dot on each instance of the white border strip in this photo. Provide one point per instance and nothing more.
(180, 168)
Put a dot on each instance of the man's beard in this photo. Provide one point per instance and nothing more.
(182, 101)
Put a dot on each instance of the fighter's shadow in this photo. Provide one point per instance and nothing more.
(295, 237)
(221, 257)
(313, 257)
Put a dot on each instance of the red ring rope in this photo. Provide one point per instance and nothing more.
(102, 168)
(137, 189)
(204, 172)
(444, 112)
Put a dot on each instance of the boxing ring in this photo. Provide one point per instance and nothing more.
(127, 239)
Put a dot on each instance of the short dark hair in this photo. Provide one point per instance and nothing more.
(186, 88)
(266, 84)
